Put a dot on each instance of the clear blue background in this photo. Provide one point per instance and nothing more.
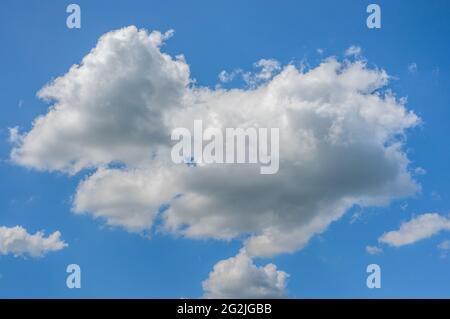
(36, 46)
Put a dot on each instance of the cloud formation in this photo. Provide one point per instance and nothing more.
(373, 250)
(110, 108)
(17, 241)
(239, 277)
(128, 198)
(341, 144)
(418, 228)
(353, 50)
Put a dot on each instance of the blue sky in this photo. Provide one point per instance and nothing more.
(214, 36)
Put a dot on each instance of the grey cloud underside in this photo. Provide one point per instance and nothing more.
(341, 144)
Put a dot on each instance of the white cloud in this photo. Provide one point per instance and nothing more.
(239, 277)
(373, 250)
(353, 51)
(17, 241)
(337, 150)
(14, 136)
(226, 77)
(341, 144)
(267, 69)
(108, 108)
(418, 228)
(129, 198)
(420, 171)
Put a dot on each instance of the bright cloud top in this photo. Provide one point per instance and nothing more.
(341, 144)
(109, 108)
(239, 277)
(17, 241)
(421, 227)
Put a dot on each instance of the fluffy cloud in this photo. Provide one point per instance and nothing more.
(129, 198)
(267, 68)
(17, 241)
(239, 277)
(109, 108)
(226, 77)
(341, 144)
(338, 148)
(421, 227)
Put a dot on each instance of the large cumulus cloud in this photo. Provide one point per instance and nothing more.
(108, 108)
(342, 136)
